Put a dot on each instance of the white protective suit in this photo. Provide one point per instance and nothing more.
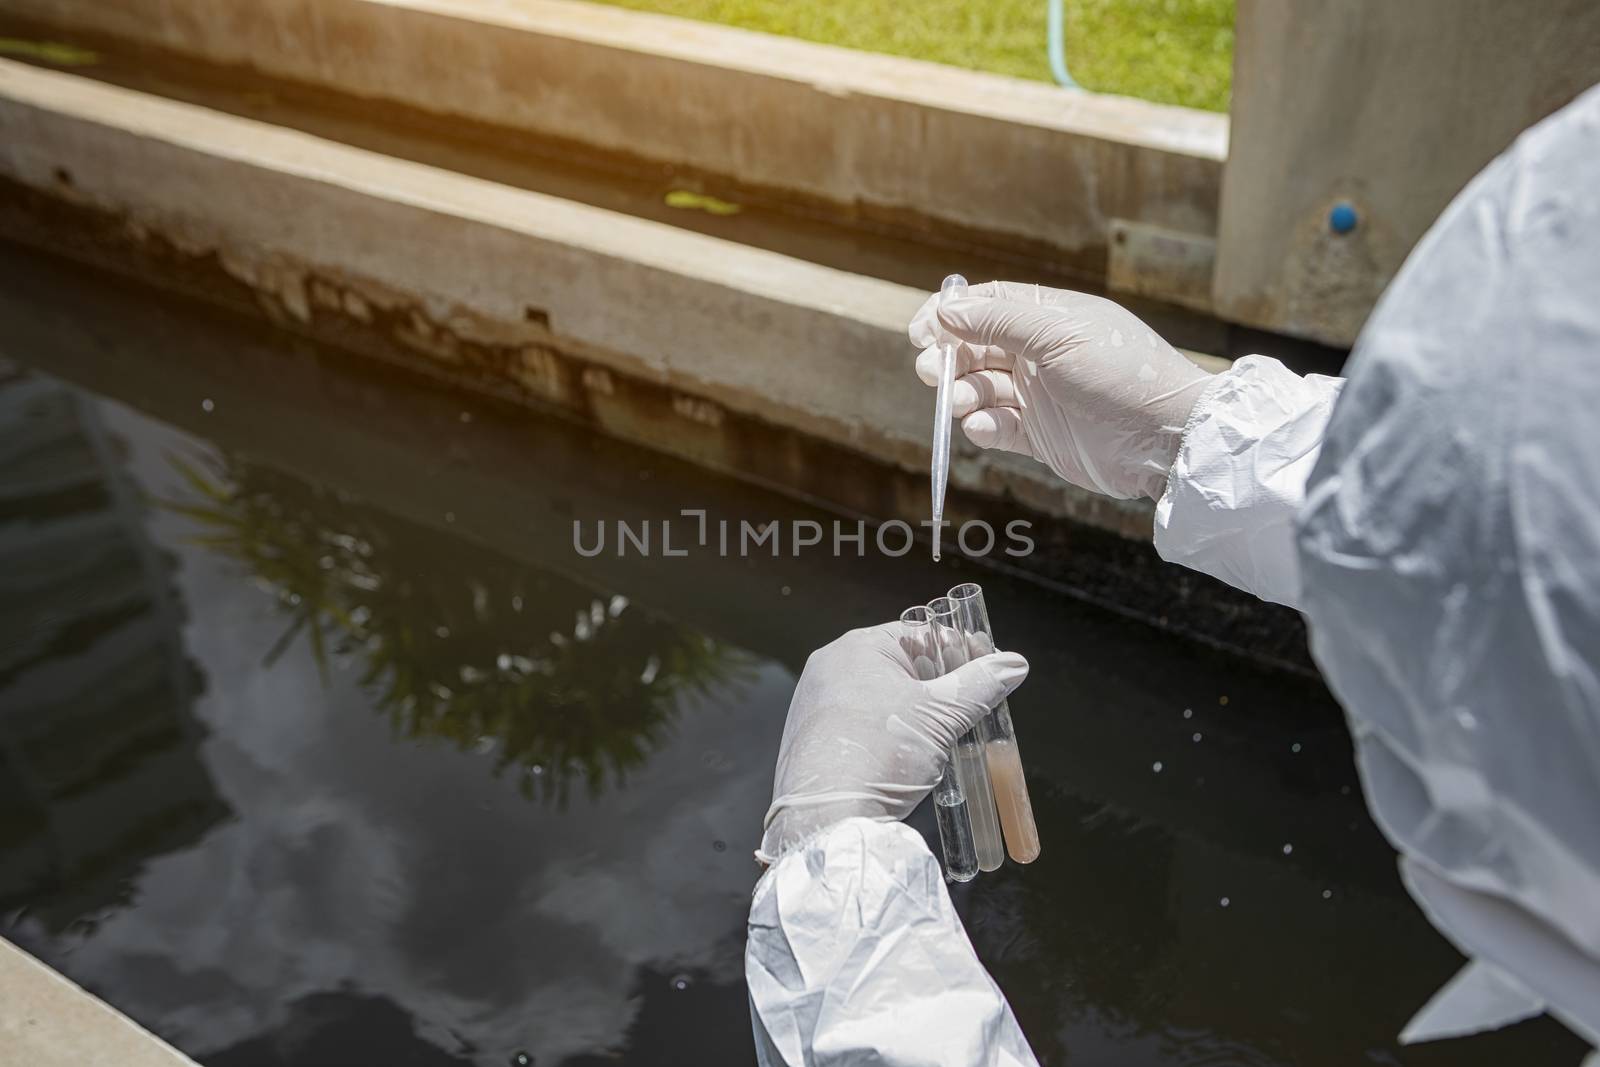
(1440, 528)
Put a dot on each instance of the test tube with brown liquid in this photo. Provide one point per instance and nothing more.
(999, 736)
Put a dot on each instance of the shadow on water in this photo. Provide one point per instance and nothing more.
(285, 643)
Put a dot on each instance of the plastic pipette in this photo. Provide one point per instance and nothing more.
(953, 288)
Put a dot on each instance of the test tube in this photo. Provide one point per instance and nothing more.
(999, 735)
(949, 803)
(971, 769)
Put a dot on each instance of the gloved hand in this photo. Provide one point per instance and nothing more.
(1073, 380)
(867, 737)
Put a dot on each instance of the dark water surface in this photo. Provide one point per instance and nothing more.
(319, 744)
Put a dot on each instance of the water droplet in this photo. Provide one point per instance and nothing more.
(1197, 738)
(442, 631)
(522, 1059)
(449, 516)
(1327, 894)
(516, 603)
(784, 590)
(1223, 701)
(207, 406)
(1156, 766)
(680, 982)
(1287, 849)
(1188, 713)
(1344, 790)
(466, 416)
(719, 846)
(1295, 747)
(1224, 902)
(536, 769)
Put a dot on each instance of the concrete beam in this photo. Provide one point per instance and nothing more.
(46, 1021)
(896, 141)
(505, 288)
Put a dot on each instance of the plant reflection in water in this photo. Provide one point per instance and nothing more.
(565, 686)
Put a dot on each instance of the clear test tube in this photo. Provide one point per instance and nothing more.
(972, 771)
(949, 803)
(999, 735)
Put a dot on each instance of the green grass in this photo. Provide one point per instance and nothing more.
(1172, 51)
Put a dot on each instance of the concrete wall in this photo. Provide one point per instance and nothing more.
(1391, 105)
(900, 142)
(498, 283)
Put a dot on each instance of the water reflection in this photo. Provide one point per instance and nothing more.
(99, 760)
(355, 887)
(557, 682)
(229, 822)
(337, 1029)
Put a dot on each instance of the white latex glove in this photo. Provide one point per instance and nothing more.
(1074, 381)
(867, 737)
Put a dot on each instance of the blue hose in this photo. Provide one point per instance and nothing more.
(1058, 46)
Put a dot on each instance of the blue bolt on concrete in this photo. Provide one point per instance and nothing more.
(1342, 219)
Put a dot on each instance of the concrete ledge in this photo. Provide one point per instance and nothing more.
(46, 1021)
(896, 141)
(497, 285)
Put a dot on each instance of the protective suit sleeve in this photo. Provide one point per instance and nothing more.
(855, 956)
(1240, 476)
(1450, 560)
